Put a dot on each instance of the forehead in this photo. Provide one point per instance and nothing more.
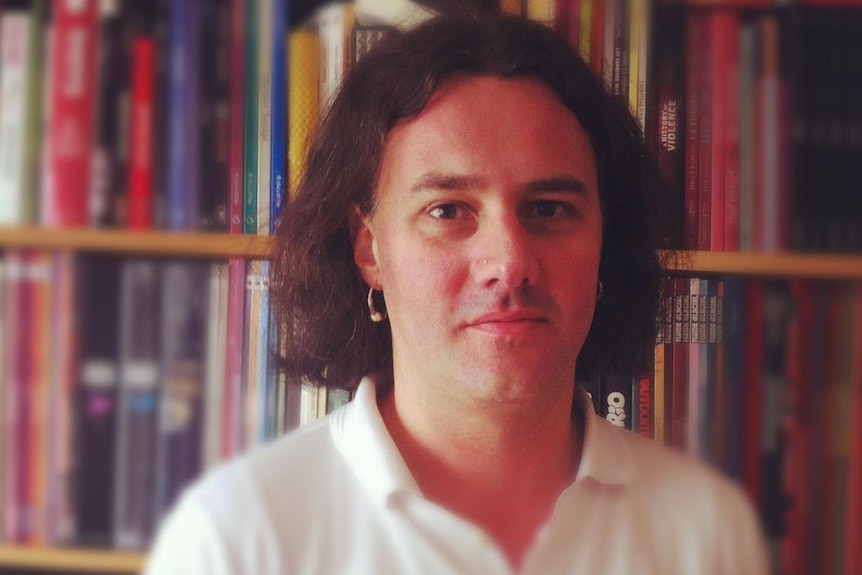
(488, 126)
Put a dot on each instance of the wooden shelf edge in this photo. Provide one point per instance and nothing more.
(777, 265)
(78, 560)
(144, 243)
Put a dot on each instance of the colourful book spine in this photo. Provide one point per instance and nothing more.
(73, 89)
(303, 56)
(141, 145)
(233, 357)
(278, 159)
(18, 41)
(250, 139)
(183, 169)
(237, 102)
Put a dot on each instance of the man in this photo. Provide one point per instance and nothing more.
(475, 228)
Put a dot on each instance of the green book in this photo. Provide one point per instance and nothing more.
(251, 112)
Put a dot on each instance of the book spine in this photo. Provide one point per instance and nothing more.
(704, 80)
(72, 94)
(303, 109)
(61, 515)
(183, 169)
(747, 58)
(214, 377)
(616, 402)
(15, 56)
(180, 426)
(608, 27)
(693, 379)
(679, 373)
(720, 25)
(732, 167)
(213, 129)
(141, 144)
(96, 413)
(233, 356)
(693, 26)
(278, 180)
(250, 137)
(109, 158)
(237, 103)
(585, 28)
(597, 34)
(137, 418)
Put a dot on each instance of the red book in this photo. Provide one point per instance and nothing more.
(141, 144)
(723, 33)
(797, 430)
(597, 27)
(693, 27)
(236, 106)
(232, 396)
(731, 139)
(72, 112)
(704, 79)
(854, 479)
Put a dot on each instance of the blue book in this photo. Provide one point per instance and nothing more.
(278, 179)
(183, 172)
(734, 352)
(265, 389)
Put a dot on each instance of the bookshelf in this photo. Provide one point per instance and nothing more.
(65, 560)
(149, 243)
(814, 266)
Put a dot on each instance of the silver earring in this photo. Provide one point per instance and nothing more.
(600, 289)
(376, 315)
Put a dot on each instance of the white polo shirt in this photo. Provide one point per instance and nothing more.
(336, 497)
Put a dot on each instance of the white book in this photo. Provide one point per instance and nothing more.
(403, 14)
(335, 25)
(14, 64)
(215, 373)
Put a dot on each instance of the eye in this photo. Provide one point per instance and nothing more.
(549, 209)
(444, 211)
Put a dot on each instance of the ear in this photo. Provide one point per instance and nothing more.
(364, 247)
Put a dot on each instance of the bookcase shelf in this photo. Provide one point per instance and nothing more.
(149, 243)
(779, 265)
(75, 560)
(211, 245)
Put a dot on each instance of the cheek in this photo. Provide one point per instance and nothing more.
(418, 278)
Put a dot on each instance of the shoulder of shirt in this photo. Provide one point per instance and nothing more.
(661, 472)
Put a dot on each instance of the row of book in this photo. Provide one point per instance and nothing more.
(753, 116)
(763, 379)
(121, 380)
(769, 127)
(147, 113)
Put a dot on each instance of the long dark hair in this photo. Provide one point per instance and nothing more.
(317, 291)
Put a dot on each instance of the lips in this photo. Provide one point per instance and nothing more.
(509, 322)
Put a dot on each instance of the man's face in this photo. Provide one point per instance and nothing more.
(486, 239)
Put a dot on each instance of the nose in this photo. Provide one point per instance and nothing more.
(505, 254)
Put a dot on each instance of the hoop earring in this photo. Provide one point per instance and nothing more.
(600, 289)
(376, 315)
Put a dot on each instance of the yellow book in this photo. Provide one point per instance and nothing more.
(542, 11)
(303, 108)
(636, 9)
(585, 29)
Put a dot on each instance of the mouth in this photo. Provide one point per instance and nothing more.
(508, 323)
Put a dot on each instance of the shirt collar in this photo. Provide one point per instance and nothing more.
(362, 439)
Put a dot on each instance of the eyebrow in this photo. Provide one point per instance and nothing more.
(454, 182)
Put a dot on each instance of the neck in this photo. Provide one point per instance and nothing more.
(501, 466)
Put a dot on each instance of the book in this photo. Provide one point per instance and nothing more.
(140, 381)
(97, 287)
(72, 113)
